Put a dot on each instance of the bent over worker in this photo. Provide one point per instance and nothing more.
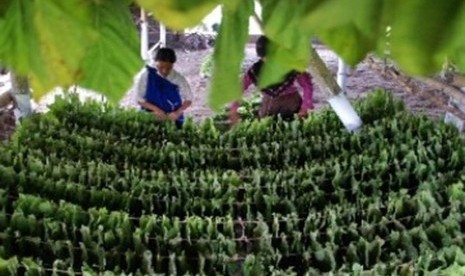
(282, 98)
(162, 90)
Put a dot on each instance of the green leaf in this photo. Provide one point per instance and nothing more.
(19, 40)
(228, 54)
(179, 14)
(425, 32)
(290, 47)
(4, 4)
(65, 32)
(231, 5)
(354, 28)
(352, 255)
(9, 267)
(373, 251)
(455, 46)
(112, 60)
(48, 40)
(325, 260)
(458, 56)
(454, 270)
(32, 268)
(45, 40)
(348, 42)
(456, 192)
(253, 266)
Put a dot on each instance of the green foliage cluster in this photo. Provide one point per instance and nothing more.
(94, 42)
(94, 189)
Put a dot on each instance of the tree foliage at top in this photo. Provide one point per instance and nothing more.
(94, 43)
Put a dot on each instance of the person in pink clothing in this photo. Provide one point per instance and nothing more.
(281, 98)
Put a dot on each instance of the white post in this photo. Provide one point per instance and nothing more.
(144, 36)
(337, 100)
(162, 35)
(161, 42)
(22, 94)
(342, 72)
(346, 112)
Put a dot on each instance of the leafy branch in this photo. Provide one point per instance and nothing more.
(94, 43)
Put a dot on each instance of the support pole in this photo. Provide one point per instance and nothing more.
(22, 93)
(161, 42)
(144, 36)
(342, 72)
(325, 80)
(338, 101)
(162, 35)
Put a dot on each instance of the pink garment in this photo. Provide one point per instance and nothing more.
(303, 79)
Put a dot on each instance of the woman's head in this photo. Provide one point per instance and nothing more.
(164, 60)
(261, 45)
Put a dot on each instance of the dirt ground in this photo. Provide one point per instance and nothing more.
(361, 79)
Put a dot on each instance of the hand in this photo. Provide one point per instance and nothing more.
(173, 116)
(234, 117)
(161, 116)
(303, 113)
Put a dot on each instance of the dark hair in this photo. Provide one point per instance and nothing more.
(166, 55)
(261, 45)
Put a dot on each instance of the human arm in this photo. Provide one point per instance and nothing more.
(305, 81)
(140, 89)
(246, 82)
(158, 112)
(186, 95)
(233, 114)
(178, 112)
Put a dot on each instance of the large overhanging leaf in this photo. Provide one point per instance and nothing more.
(4, 4)
(229, 53)
(351, 28)
(65, 32)
(280, 61)
(289, 47)
(112, 60)
(179, 14)
(57, 43)
(424, 33)
(18, 38)
(348, 42)
(455, 47)
(231, 5)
